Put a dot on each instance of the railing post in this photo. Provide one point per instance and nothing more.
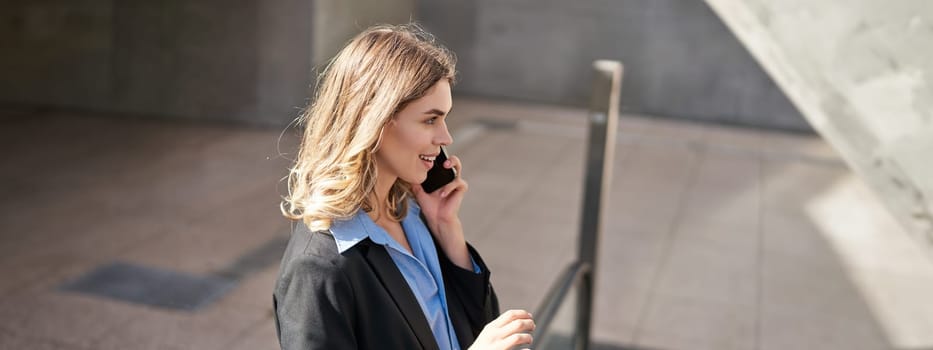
(603, 117)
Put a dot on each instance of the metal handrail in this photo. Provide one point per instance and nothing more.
(573, 274)
(604, 115)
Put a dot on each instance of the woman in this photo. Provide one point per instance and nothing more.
(374, 262)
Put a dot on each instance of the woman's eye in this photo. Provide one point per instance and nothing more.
(431, 121)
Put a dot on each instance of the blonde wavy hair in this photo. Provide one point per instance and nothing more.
(373, 77)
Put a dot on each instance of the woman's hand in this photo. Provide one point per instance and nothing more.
(441, 208)
(509, 330)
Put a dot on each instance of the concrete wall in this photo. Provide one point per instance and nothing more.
(337, 21)
(237, 60)
(680, 60)
(252, 60)
(232, 60)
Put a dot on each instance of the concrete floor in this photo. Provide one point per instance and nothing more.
(718, 238)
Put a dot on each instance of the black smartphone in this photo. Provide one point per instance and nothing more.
(438, 176)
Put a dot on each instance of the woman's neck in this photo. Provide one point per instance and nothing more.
(380, 216)
(381, 194)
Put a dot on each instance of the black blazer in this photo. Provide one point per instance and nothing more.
(360, 300)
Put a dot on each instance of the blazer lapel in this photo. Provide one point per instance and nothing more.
(393, 281)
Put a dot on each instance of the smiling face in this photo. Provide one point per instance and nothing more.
(413, 137)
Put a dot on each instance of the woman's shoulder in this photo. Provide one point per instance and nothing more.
(315, 250)
(311, 260)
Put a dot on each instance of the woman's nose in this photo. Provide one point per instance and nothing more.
(443, 136)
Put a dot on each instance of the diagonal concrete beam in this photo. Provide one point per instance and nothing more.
(862, 74)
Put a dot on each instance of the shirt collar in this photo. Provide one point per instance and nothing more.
(353, 230)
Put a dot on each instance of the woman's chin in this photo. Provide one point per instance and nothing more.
(417, 179)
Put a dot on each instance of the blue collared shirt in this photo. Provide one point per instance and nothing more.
(421, 267)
